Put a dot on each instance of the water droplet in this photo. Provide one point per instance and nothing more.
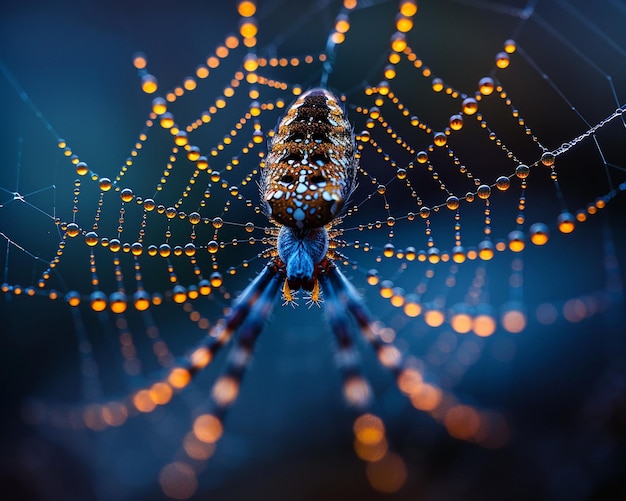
(470, 106)
(566, 222)
(216, 279)
(149, 84)
(456, 122)
(486, 86)
(105, 184)
(502, 60)
(510, 46)
(440, 139)
(372, 277)
(118, 302)
(81, 168)
(548, 159)
(484, 191)
(485, 250)
(91, 238)
(516, 241)
(98, 301)
(503, 183)
(73, 230)
(539, 234)
(522, 171)
(126, 195)
(141, 300)
(452, 202)
(167, 120)
(194, 218)
(165, 250)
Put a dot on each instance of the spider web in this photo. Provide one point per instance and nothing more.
(535, 335)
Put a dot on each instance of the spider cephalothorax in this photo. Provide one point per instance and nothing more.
(309, 173)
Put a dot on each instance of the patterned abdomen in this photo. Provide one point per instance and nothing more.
(310, 169)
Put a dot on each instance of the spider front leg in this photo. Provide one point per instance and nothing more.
(224, 329)
(226, 387)
(207, 426)
(289, 296)
(315, 297)
(179, 376)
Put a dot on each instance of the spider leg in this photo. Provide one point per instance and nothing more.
(388, 355)
(485, 428)
(370, 442)
(356, 389)
(220, 334)
(223, 331)
(315, 297)
(226, 387)
(207, 426)
(289, 296)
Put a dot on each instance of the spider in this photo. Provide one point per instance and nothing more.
(309, 173)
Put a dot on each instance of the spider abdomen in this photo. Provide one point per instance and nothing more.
(311, 168)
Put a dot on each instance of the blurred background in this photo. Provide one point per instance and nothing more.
(560, 385)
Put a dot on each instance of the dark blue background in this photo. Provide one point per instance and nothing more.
(562, 387)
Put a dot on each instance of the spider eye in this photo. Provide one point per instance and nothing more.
(287, 179)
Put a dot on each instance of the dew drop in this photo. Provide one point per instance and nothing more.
(73, 230)
(91, 238)
(105, 184)
(452, 202)
(522, 171)
(216, 279)
(194, 218)
(539, 234)
(141, 300)
(165, 250)
(566, 222)
(470, 106)
(548, 159)
(503, 183)
(98, 301)
(440, 139)
(484, 191)
(456, 122)
(126, 195)
(118, 302)
(486, 86)
(516, 241)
